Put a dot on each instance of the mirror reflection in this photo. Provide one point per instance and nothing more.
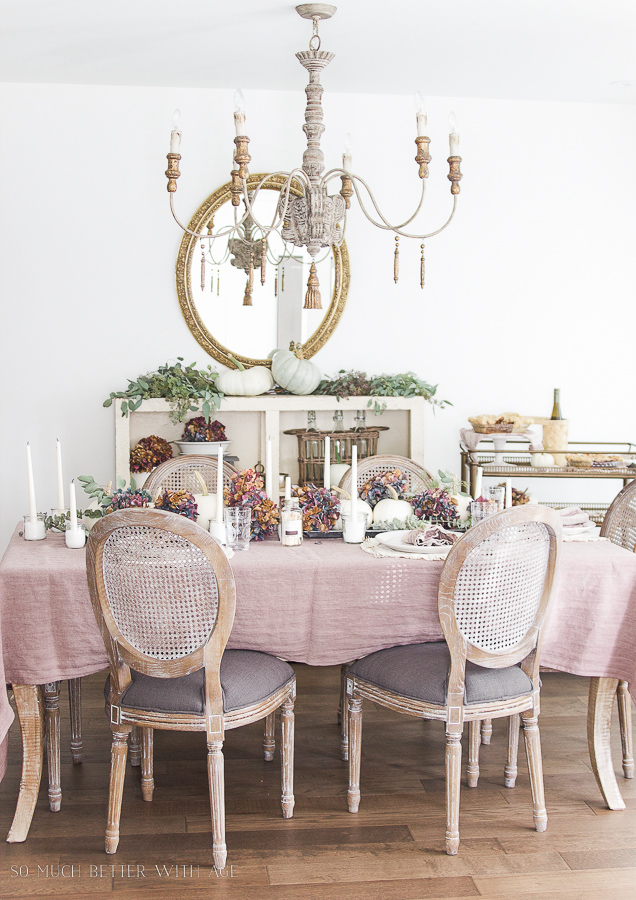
(233, 307)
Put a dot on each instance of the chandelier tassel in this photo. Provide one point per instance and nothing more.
(202, 267)
(263, 258)
(247, 298)
(312, 297)
(396, 260)
(422, 267)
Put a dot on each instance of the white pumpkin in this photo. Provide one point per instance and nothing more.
(392, 508)
(293, 372)
(345, 508)
(463, 506)
(541, 460)
(336, 471)
(242, 382)
(206, 506)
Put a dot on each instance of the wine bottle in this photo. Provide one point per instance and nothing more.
(556, 409)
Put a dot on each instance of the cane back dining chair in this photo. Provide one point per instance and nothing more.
(417, 478)
(619, 526)
(492, 599)
(164, 598)
(179, 474)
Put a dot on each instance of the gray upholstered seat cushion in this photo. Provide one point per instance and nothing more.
(420, 671)
(247, 677)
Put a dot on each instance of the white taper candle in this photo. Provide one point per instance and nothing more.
(73, 506)
(60, 479)
(219, 485)
(327, 478)
(33, 510)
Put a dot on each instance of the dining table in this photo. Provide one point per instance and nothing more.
(322, 603)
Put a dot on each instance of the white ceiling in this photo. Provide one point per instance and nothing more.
(564, 50)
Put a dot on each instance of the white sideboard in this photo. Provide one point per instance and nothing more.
(250, 421)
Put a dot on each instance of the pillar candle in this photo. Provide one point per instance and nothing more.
(478, 480)
(60, 480)
(33, 511)
(327, 478)
(219, 484)
(508, 493)
(73, 506)
(269, 481)
(353, 509)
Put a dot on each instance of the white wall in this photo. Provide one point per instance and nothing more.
(531, 287)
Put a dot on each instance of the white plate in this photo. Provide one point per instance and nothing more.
(579, 529)
(395, 540)
(201, 448)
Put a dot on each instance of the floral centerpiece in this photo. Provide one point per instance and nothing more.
(180, 502)
(247, 489)
(377, 488)
(129, 498)
(435, 503)
(199, 431)
(320, 508)
(148, 453)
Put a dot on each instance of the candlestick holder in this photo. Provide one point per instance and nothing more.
(34, 529)
(75, 537)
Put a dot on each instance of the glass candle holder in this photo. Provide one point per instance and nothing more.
(75, 537)
(34, 529)
(482, 509)
(498, 494)
(238, 520)
(354, 527)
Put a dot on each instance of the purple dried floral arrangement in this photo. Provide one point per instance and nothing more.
(435, 503)
(180, 502)
(197, 429)
(247, 489)
(375, 489)
(129, 499)
(320, 508)
(149, 452)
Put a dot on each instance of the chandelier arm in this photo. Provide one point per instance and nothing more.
(387, 225)
(278, 216)
(398, 228)
(210, 257)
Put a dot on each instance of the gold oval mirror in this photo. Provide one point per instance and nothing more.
(235, 317)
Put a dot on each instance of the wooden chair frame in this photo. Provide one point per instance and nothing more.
(455, 712)
(417, 475)
(205, 464)
(623, 508)
(123, 656)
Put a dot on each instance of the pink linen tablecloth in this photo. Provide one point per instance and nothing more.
(322, 603)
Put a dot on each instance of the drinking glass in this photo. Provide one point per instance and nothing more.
(237, 527)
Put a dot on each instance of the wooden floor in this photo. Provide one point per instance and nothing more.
(391, 850)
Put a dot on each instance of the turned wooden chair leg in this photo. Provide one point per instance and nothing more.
(343, 715)
(453, 761)
(510, 769)
(147, 780)
(216, 781)
(535, 768)
(355, 752)
(118, 754)
(625, 722)
(269, 738)
(486, 730)
(287, 757)
(474, 741)
(51, 693)
(135, 746)
(75, 711)
(30, 708)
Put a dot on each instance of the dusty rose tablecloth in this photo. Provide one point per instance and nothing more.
(322, 603)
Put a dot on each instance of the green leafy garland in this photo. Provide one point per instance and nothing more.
(359, 384)
(181, 385)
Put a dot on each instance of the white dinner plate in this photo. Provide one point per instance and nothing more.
(396, 540)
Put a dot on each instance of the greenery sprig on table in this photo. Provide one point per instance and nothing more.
(359, 384)
(182, 386)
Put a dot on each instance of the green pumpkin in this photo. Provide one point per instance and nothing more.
(293, 372)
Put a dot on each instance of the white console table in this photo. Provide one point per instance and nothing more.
(251, 420)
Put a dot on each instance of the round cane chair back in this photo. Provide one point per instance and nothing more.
(619, 524)
(160, 584)
(179, 474)
(417, 478)
(496, 583)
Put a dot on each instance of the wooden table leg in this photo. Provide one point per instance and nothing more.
(29, 704)
(75, 709)
(599, 719)
(51, 692)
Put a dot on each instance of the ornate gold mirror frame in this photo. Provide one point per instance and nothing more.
(189, 246)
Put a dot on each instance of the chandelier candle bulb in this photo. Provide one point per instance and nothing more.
(239, 113)
(60, 479)
(453, 137)
(175, 134)
(327, 478)
(420, 113)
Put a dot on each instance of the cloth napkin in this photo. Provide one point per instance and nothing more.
(573, 517)
(373, 547)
